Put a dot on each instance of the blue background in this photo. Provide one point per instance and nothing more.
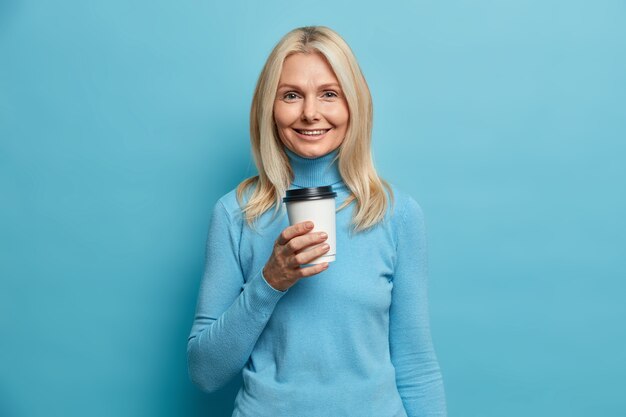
(121, 123)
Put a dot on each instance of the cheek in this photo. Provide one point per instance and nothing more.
(284, 116)
(338, 116)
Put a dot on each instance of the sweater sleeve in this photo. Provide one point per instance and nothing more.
(230, 313)
(418, 376)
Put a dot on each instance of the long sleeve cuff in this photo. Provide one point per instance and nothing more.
(260, 295)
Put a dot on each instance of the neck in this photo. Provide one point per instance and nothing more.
(314, 172)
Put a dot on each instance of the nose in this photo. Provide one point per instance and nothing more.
(310, 111)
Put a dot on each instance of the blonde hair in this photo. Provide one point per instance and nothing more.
(355, 159)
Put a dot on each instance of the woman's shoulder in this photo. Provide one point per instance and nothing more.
(229, 203)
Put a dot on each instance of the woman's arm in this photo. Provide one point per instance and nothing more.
(230, 314)
(418, 375)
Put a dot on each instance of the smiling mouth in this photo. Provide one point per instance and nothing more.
(312, 132)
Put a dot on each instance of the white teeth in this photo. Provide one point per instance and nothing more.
(312, 132)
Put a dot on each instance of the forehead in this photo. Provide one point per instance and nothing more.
(304, 69)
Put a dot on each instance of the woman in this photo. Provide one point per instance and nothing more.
(347, 339)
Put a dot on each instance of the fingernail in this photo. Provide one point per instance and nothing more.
(309, 225)
(323, 235)
(325, 246)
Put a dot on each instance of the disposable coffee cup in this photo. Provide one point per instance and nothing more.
(316, 204)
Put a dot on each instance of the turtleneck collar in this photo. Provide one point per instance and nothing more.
(314, 172)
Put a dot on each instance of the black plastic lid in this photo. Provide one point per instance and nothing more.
(311, 193)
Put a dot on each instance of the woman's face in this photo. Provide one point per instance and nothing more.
(310, 110)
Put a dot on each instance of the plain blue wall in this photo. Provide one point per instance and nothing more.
(121, 123)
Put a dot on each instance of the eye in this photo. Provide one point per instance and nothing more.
(330, 94)
(290, 96)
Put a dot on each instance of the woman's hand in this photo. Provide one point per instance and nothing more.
(283, 270)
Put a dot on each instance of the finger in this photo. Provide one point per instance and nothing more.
(307, 256)
(292, 231)
(304, 242)
(313, 270)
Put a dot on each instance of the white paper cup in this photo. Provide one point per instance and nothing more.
(316, 204)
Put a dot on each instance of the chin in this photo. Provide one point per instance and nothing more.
(313, 150)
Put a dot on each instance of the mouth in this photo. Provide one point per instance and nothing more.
(311, 134)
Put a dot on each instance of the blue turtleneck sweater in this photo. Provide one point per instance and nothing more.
(353, 340)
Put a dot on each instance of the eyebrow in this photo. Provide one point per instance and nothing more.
(321, 87)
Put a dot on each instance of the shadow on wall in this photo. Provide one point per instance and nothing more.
(216, 404)
(180, 396)
(227, 162)
(6, 408)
